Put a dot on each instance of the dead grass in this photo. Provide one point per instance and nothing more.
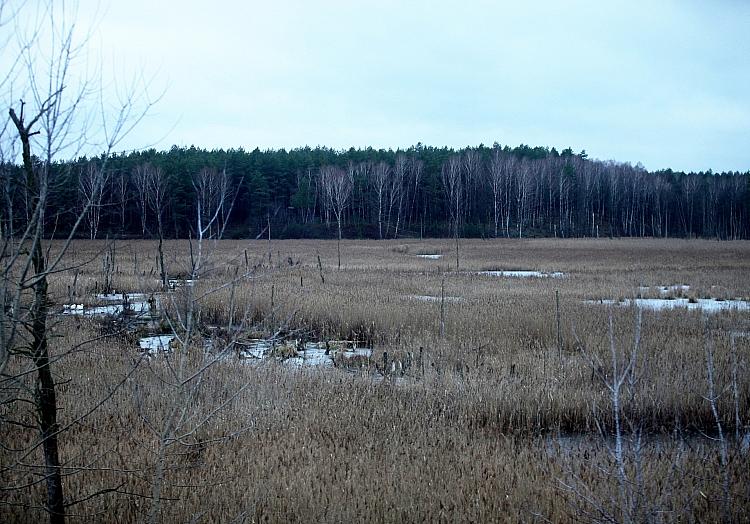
(467, 439)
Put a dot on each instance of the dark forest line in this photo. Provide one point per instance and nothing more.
(421, 191)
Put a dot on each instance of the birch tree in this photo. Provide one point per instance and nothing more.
(157, 188)
(416, 168)
(396, 190)
(471, 164)
(453, 185)
(140, 179)
(337, 189)
(120, 194)
(91, 187)
(495, 177)
(215, 196)
(523, 182)
(379, 182)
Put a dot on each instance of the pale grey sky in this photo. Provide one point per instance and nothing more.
(665, 83)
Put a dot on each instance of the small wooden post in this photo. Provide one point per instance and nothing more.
(442, 309)
(457, 248)
(320, 269)
(268, 225)
(557, 314)
(273, 320)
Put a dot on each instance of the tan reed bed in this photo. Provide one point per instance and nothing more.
(470, 434)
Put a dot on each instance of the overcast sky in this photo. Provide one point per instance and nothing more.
(665, 83)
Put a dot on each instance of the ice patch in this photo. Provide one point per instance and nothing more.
(136, 308)
(138, 304)
(431, 298)
(119, 297)
(156, 343)
(665, 290)
(709, 305)
(316, 354)
(179, 282)
(73, 309)
(312, 354)
(431, 257)
(523, 274)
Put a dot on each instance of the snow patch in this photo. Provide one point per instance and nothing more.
(135, 307)
(120, 297)
(138, 304)
(666, 290)
(709, 305)
(156, 343)
(523, 273)
(431, 298)
(174, 283)
(312, 354)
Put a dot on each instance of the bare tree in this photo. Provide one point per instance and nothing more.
(91, 185)
(712, 397)
(690, 186)
(379, 177)
(523, 182)
(184, 374)
(471, 163)
(215, 196)
(140, 179)
(362, 181)
(337, 189)
(495, 177)
(9, 186)
(120, 194)
(158, 186)
(416, 168)
(620, 377)
(52, 118)
(453, 185)
(398, 189)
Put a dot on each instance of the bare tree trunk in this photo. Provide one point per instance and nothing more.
(162, 272)
(457, 246)
(337, 187)
(141, 182)
(156, 184)
(379, 180)
(442, 308)
(712, 397)
(91, 190)
(338, 244)
(45, 397)
(268, 226)
(8, 190)
(121, 188)
(454, 190)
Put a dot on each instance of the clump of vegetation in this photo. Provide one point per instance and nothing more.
(284, 350)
